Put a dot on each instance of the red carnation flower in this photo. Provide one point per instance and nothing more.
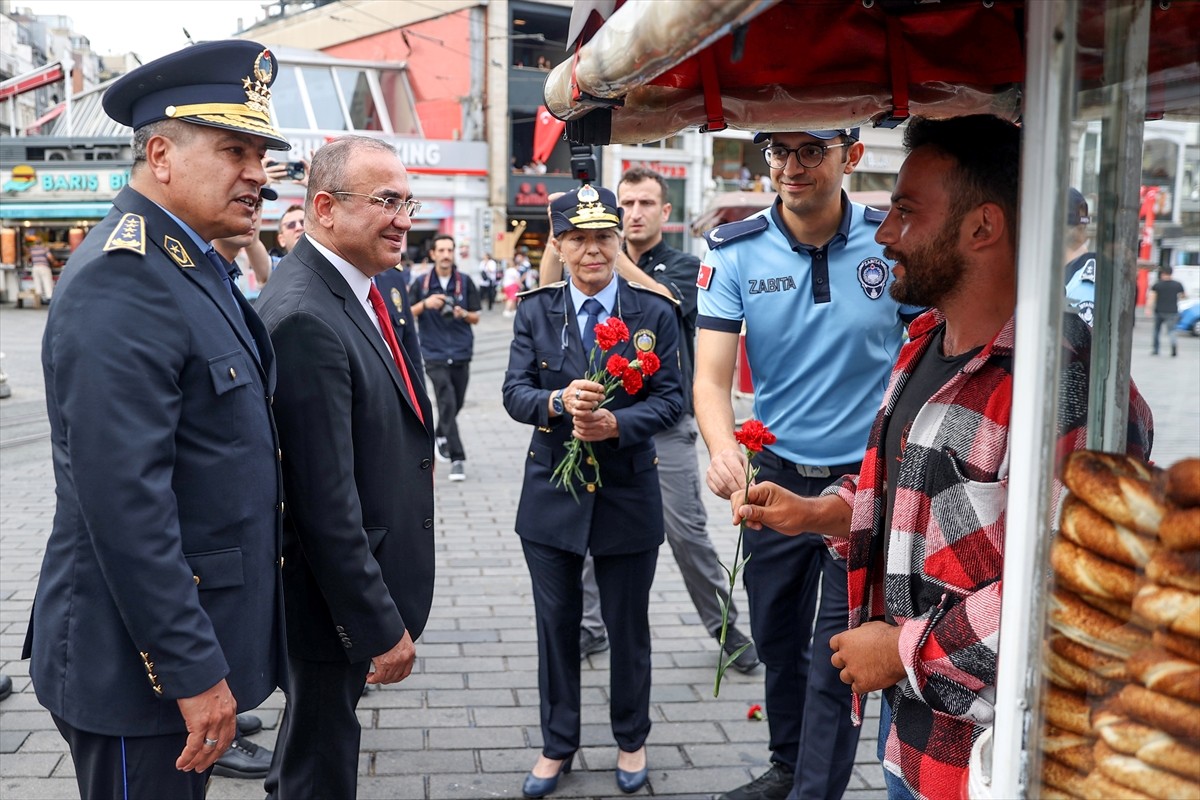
(606, 337)
(650, 364)
(632, 381)
(618, 327)
(617, 365)
(753, 435)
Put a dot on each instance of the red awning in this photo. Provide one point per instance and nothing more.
(652, 69)
(34, 79)
(44, 118)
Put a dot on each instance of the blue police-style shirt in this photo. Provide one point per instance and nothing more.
(822, 332)
(1081, 286)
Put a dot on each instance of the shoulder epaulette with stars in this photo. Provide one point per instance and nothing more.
(536, 289)
(130, 234)
(724, 234)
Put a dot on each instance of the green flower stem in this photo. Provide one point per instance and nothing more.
(739, 563)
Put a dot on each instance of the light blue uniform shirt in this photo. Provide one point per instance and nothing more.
(822, 332)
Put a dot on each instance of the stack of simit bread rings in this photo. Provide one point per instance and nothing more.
(1123, 653)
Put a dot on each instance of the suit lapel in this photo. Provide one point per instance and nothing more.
(358, 315)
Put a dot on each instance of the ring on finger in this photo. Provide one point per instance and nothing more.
(210, 742)
(578, 394)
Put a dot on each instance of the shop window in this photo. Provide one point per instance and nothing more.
(323, 99)
(356, 91)
(398, 98)
(286, 101)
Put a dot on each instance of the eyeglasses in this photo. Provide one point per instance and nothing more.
(390, 205)
(808, 155)
(294, 224)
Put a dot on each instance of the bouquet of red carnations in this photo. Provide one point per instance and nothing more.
(616, 371)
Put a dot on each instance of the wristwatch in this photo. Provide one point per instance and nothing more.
(556, 402)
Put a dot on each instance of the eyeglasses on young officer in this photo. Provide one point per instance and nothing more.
(808, 155)
(390, 205)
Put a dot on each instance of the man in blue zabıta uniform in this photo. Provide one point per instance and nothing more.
(809, 282)
(1080, 269)
(159, 608)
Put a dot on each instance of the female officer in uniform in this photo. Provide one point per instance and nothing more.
(618, 518)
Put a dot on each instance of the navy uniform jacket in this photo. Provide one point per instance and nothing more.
(161, 574)
(357, 467)
(625, 514)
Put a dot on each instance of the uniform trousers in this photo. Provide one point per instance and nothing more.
(449, 381)
(131, 767)
(624, 582)
(316, 756)
(686, 523)
(798, 602)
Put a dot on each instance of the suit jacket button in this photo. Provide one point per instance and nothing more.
(425, 463)
(347, 645)
(340, 629)
(427, 524)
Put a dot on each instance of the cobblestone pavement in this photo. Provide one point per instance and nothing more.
(465, 724)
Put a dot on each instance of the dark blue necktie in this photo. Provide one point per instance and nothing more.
(592, 308)
(225, 270)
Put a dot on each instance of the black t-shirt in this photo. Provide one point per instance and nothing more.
(1166, 296)
(932, 372)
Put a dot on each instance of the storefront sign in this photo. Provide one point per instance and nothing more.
(58, 185)
(667, 169)
(418, 155)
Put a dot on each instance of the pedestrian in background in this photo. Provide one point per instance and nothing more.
(618, 519)
(446, 303)
(41, 261)
(808, 281)
(357, 465)
(1164, 304)
(158, 611)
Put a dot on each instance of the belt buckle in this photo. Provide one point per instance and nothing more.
(812, 472)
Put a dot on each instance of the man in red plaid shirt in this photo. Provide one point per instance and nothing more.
(925, 597)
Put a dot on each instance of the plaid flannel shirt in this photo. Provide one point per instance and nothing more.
(941, 583)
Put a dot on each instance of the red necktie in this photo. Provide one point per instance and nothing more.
(389, 335)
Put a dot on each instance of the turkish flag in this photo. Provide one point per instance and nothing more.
(547, 130)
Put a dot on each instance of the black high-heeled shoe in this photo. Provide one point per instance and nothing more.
(535, 787)
(630, 782)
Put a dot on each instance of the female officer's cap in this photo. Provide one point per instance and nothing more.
(586, 208)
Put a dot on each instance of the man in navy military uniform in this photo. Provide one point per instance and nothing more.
(808, 280)
(394, 285)
(159, 608)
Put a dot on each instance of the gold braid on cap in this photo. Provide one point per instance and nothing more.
(257, 105)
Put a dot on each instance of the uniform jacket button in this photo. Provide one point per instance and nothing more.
(196, 579)
(232, 373)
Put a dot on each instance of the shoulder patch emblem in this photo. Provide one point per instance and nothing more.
(872, 276)
(705, 276)
(724, 234)
(1088, 273)
(178, 252)
(876, 215)
(130, 234)
(644, 340)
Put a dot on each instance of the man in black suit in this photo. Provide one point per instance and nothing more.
(358, 464)
(159, 608)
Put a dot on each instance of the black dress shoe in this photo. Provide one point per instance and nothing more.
(591, 643)
(630, 782)
(540, 787)
(774, 784)
(747, 660)
(5, 686)
(243, 759)
(248, 724)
